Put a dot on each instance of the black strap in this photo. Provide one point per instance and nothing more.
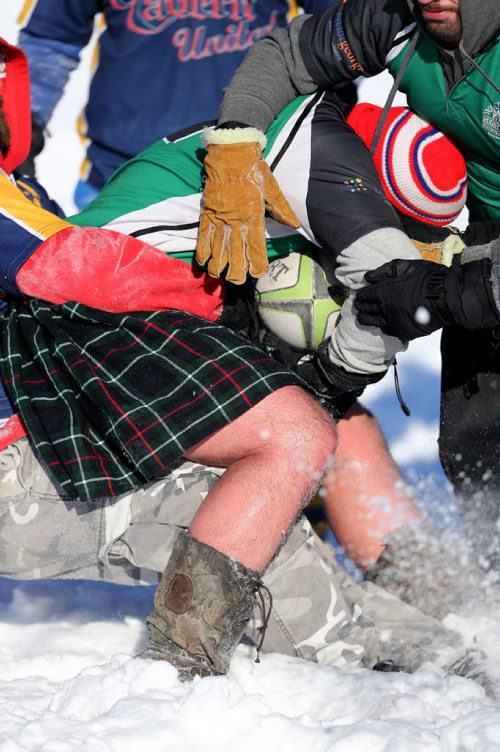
(395, 87)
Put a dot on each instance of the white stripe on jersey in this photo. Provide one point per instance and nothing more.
(292, 171)
(400, 40)
(171, 225)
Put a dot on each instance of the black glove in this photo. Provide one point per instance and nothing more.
(240, 310)
(37, 144)
(481, 233)
(336, 388)
(409, 299)
(423, 232)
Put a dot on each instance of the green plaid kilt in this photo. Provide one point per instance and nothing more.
(112, 401)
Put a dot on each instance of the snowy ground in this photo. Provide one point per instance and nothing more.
(67, 678)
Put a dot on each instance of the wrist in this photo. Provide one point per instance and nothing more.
(470, 296)
(437, 294)
(232, 124)
(340, 378)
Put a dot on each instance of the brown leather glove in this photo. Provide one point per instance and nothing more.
(438, 244)
(440, 252)
(239, 188)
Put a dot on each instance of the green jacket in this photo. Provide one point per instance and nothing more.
(469, 113)
(449, 89)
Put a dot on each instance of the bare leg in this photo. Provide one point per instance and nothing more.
(276, 455)
(365, 495)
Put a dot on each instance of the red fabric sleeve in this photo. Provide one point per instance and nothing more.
(116, 273)
(11, 431)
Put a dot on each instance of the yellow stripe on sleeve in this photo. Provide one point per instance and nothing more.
(15, 206)
(25, 10)
(293, 10)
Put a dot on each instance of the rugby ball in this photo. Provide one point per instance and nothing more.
(297, 302)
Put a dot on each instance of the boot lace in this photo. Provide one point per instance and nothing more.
(265, 611)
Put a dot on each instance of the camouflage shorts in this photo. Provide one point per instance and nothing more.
(126, 539)
(318, 612)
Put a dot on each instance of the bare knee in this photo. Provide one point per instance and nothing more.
(301, 429)
(356, 418)
(359, 434)
(287, 429)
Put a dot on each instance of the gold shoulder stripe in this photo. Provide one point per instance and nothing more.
(25, 10)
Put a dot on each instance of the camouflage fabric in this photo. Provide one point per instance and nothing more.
(319, 613)
(125, 540)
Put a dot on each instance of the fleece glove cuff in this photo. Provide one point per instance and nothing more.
(239, 189)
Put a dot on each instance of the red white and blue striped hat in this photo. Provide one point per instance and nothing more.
(422, 172)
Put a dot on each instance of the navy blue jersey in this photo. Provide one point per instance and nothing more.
(38, 195)
(161, 65)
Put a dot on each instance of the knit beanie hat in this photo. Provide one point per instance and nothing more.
(422, 173)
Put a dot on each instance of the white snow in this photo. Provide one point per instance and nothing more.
(422, 315)
(418, 442)
(68, 679)
(69, 682)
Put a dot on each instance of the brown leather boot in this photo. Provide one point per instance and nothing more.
(201, 607)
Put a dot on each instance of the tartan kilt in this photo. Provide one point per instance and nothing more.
(112, 401)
